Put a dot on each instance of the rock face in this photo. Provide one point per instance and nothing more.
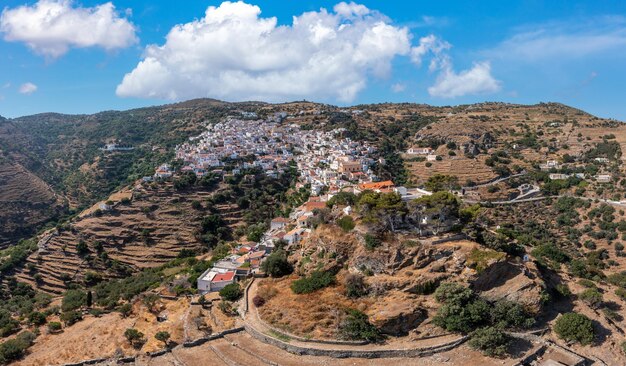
(520, 283)
(397, 316)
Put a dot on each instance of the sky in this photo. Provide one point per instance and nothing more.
(88, 56)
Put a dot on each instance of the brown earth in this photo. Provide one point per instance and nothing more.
(157, 224)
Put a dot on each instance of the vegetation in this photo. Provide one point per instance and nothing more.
(134, 337)
(356, 326)
(574, 327)
(491, 341)
(163, 336)
(463, 311)
(231, 292)
(276, 264)
(317, 280)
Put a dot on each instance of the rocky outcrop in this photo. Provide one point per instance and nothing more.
(520, 283)
(397, 315)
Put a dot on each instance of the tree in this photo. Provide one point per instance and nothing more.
(277, 265)
(71, 317)
(150, 301)
(231, 292)
(37, 318)
(73, 299)
(441, 182)
(134, 337)
(491, 341)
(574, 327)
(125, 309)
(440, 208)
(346, 223)
(162, 336)
(356, 326)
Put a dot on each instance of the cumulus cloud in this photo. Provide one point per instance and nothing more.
(429, 45)
(27, 88)
(233, 53)
(477, 80)
(52, 27)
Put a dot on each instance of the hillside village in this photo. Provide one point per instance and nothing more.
(301, 184)
(327, 164)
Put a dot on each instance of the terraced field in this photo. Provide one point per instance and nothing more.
(149, 231)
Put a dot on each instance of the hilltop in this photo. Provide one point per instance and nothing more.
(517, 210)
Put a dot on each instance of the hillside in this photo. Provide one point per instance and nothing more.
(149, 230)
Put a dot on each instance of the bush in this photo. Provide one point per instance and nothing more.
(125, 310)
(346, 223)
(563, 290)
(14, 349)
(54, 327)
(134, 337)
(231, 292)
(162, 336)
(356, 326)
(71, 317)
(317, 280)
(37, 318)
(574, 327)
(491, 341)
(371, 241)
(592, 297)
(73, 299)
(507, 314)
(258, 301)
(355, 285)
(276, 264)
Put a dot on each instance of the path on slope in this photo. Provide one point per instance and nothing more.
(252, 319)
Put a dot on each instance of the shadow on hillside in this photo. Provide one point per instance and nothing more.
(519, 347)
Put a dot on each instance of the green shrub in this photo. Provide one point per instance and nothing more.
(14, 349)
(355, 285)
(356, 326)
(54, 327)
(73, 299)
(317, 280)
(71, 317)
(276, 264)
(37, 318)
(371, 241)
(508, 314)
(231, 292)
(491, 341)
(346, 223)
(563, 290)
(134, 337)
(574, 327)
(591, 297)
(162, 336)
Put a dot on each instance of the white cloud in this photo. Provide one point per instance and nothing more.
(429, 44)
(28, 88)
(564, 40)
(398, 87)
(232, 53)
(477, 80)
(52, 27)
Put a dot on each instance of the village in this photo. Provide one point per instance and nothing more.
(327, 162)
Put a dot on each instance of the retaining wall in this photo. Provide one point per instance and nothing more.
(347, 353)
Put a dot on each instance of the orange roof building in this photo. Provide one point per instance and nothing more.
(376, 186)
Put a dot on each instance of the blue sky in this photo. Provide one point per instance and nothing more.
(435, 52)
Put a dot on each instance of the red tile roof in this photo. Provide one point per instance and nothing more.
(228, 276)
